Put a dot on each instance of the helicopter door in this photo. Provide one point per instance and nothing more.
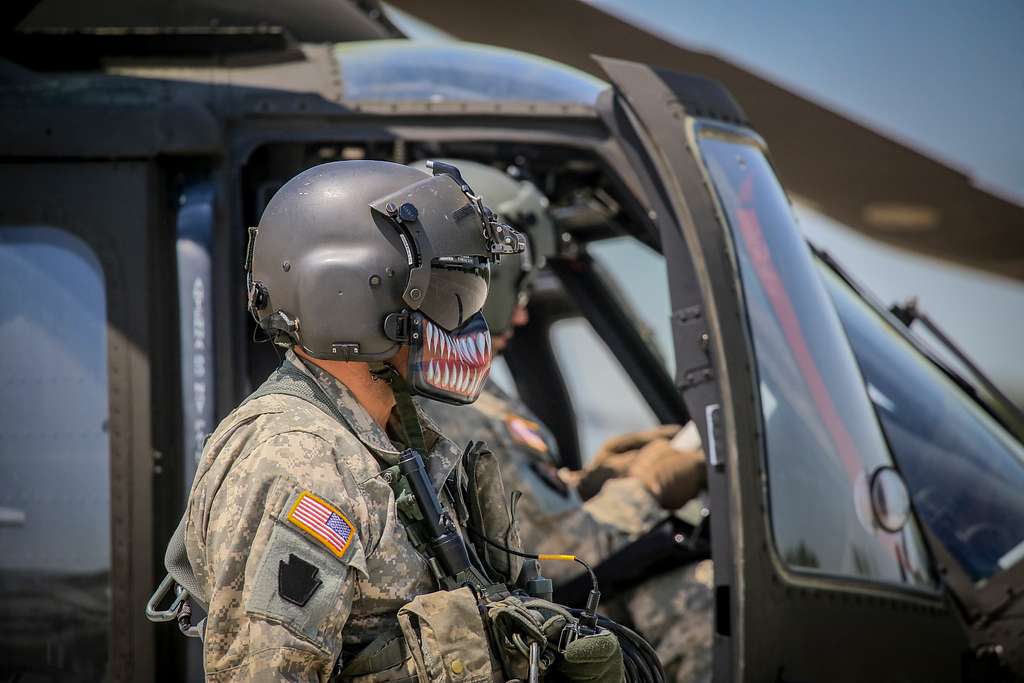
(812, 581)
(83, 316)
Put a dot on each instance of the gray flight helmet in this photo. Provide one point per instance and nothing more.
(524, 207)
(345, 249)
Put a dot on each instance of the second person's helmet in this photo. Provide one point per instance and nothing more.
(522, 205)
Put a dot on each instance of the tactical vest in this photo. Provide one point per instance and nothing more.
(473, 500)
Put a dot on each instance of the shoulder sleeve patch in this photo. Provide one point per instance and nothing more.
(526, 432)
(322, 521)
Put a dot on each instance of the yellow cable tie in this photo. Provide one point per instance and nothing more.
(565, 558)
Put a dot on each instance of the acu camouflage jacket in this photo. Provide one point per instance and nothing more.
(294, 533)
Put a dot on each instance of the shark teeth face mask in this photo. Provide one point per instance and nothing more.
(449, 366)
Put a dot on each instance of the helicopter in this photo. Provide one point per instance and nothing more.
(134, 159)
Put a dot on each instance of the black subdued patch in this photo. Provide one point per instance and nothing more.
(296, 580)
(549, 475)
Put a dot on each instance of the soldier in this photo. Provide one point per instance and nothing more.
(308, 538)
(629, 484)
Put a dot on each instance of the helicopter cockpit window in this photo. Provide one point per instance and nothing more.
(408, 71)
(54, 458)
(638, 274)
(605, 400)
(822, 439)
(964, 471)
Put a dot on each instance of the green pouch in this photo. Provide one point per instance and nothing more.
(489, 512)
(447, 638)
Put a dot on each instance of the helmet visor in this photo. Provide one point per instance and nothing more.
(455, 296)
(450, 239)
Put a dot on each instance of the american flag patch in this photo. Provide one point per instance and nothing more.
(322, 521)
(526, 432)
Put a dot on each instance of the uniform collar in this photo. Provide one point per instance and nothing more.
(442, 456)
(445, 455)
(359, 421)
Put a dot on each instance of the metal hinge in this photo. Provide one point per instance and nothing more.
(692, 333)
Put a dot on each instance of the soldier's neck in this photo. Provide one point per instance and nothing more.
(374, 395)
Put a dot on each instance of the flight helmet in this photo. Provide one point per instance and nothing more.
(523, 206)
(353, 259)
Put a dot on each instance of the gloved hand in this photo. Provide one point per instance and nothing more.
(593, 659)
(672, 476)
(614, 459)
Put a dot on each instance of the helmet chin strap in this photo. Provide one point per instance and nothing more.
(413, 430)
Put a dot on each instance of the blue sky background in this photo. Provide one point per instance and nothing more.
(946, 78)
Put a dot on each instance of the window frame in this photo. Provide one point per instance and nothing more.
(985, 602)
(110, 209)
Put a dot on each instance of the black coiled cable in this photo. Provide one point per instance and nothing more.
(641, 661)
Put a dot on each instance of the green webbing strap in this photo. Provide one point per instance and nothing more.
(407, 414)
(384, 652)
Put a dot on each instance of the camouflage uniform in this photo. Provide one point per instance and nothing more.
(242, 530)
(673, 611)
(551, 516)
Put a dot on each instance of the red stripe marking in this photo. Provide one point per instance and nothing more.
(314, 511)
(775, 290)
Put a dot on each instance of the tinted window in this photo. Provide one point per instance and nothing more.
(54, 458)
(964, 472)
(822, 439)
(605, 400)
(407, 71)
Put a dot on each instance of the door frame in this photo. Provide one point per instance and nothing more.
(770, 622)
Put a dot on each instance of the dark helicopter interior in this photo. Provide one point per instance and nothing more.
(590, 207)
(142, 122)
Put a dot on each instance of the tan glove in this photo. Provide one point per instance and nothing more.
(632, 441)
(614, 458)
(672, 476)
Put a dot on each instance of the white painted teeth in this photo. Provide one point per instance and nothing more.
(457, 363)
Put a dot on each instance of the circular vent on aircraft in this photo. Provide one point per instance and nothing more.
(890, 501)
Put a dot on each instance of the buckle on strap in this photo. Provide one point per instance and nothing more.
(171, 613)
